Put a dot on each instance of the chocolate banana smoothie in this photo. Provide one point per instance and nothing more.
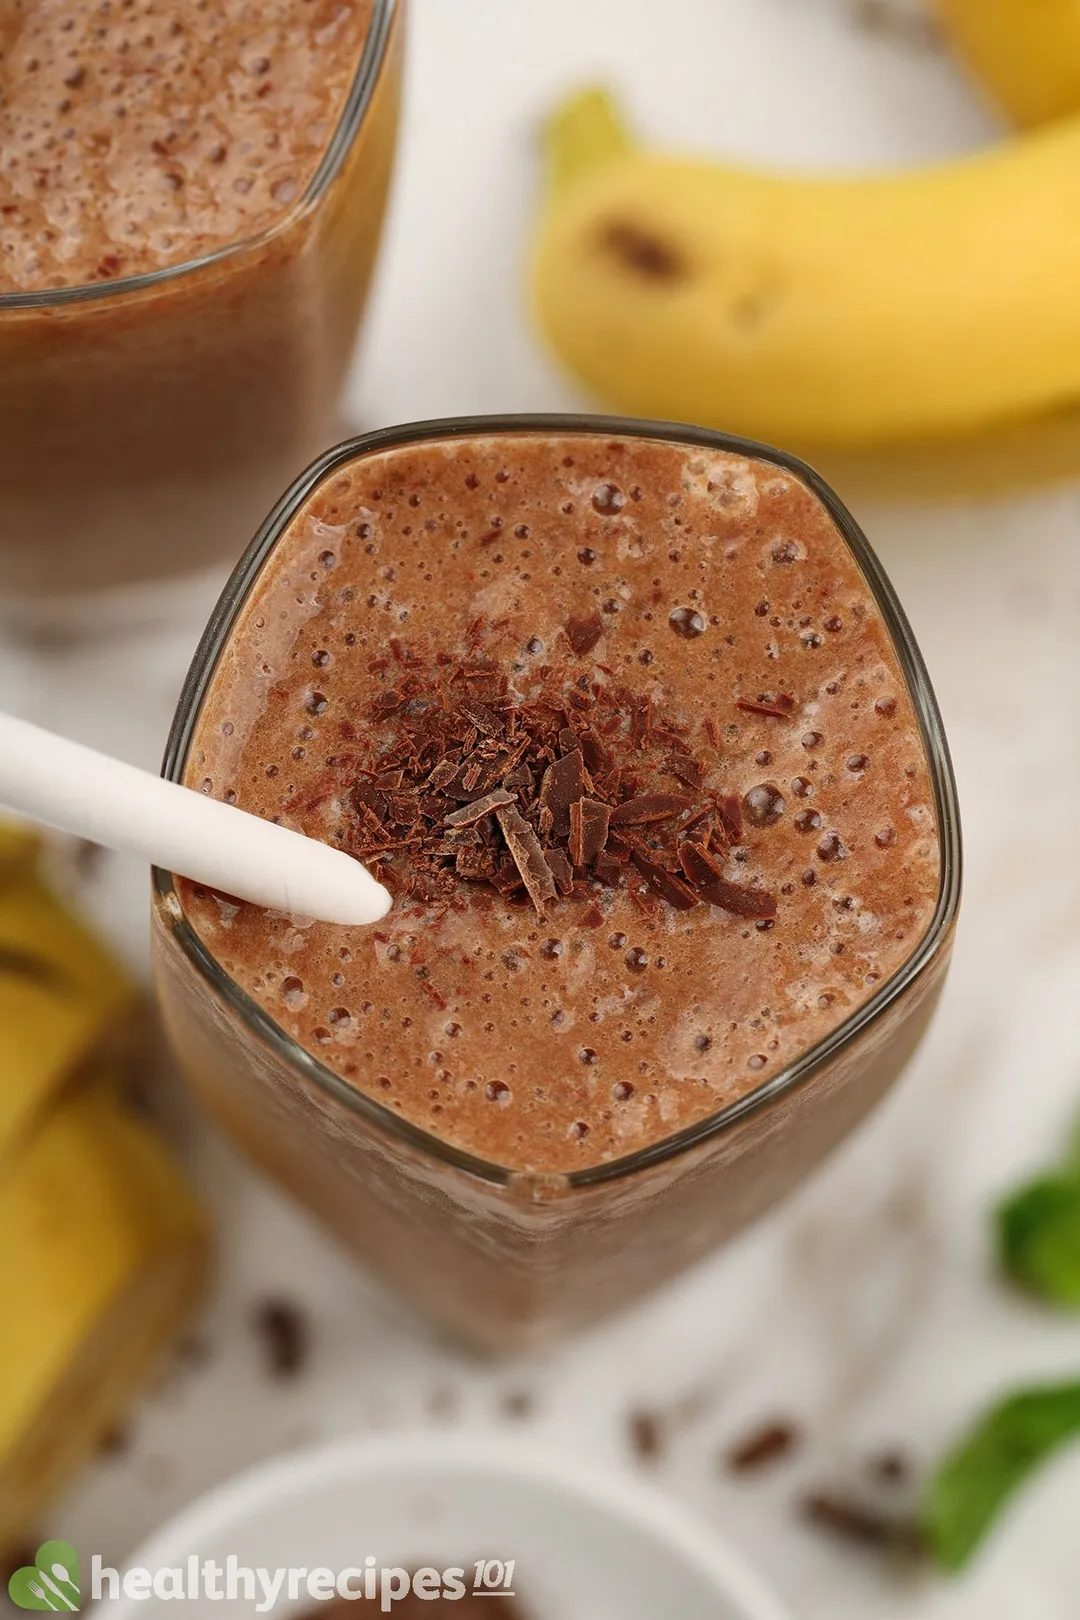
(191, 196)
(621, 724)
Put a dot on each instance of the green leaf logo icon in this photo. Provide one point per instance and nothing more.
(51, 1582)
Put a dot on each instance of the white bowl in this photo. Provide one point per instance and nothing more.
(587, 1545)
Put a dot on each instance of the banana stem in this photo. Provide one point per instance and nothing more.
(584, 133)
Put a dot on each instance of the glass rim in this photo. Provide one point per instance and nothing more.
(368, 72)
(924, 703)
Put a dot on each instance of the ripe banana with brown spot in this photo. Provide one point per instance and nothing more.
(877, 315)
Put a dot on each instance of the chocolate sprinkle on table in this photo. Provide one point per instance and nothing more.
(767, 1444)
(860, 1524)
(283, 1330)
(648, 1436)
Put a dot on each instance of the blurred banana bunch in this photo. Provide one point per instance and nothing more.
(913, 334)
(103, 1249)
(1025, 52)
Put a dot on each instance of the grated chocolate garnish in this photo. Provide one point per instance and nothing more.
(540, 795)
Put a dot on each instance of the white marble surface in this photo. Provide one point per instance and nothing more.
(866, 1308)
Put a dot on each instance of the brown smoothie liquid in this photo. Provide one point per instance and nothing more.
(238, 154)
(143, 133)
(634, 647)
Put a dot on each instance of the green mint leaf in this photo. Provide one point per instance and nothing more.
(980, 1474)
(1038, 1239)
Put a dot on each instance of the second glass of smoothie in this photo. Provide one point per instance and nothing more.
(191, 201)
(628, 718)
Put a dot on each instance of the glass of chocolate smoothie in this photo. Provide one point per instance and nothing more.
(628, 717)
(191, 198)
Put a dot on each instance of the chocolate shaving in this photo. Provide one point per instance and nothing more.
(782, 706)
(584, 631)
(607, 869)
(476, 865)
(506, 877)
(729, 809)
(591, 917)
(485, 769)
(696, 821)
(739, 900)
(589, 822)
(479, 715)
(561, 867)
(640, 720)
(666, 884)
(646, 807)
(596, 756)
(528, 857)
(691, 772)
(709, 881)
(366, 795)
(563, 785)
(478, 809)
(698, 864)
(562, 870)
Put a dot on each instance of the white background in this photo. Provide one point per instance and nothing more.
(867, 1309)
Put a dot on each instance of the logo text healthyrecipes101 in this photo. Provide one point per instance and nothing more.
(52, 1582)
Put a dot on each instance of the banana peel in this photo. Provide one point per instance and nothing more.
(1025, 53)
(914, 336)
(104, 1253)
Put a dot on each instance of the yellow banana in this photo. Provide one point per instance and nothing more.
(64, 1003)
(19, 850)
(104, 1252)
(1025, 52)
(875, 316)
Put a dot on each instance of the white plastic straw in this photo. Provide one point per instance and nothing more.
(61, 783)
